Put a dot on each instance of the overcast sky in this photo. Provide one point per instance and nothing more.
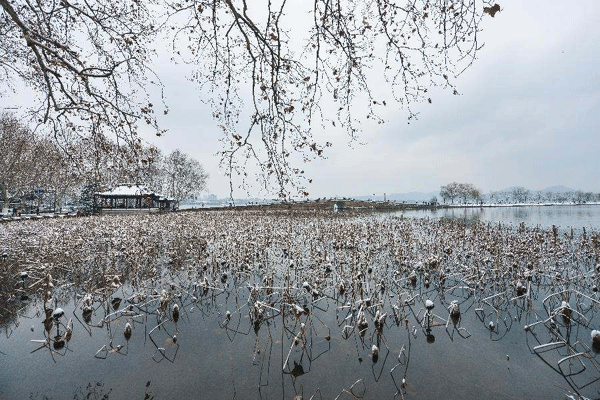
(528, 114)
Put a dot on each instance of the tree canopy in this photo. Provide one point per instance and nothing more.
(462, 191)
(182, 176)
(276, 71)
(32, 162)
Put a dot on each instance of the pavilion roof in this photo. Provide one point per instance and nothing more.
(125, 190)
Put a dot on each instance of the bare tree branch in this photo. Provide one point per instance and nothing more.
(276, 73)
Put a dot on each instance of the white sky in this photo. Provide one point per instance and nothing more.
(528, 115)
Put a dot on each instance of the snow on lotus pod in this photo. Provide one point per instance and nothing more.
(379, 321)
(596, 337)
(596, 341)
(88, 301)
(362, 325)
(298, 310)
(429, 304)
(520, 288)
(175, 313)
(413, 277)
(375, 350)
(454, 310)
(59, 312)
(127, 331)
(69, 331)
(164, 300)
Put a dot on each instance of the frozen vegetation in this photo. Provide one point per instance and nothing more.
(280, 294)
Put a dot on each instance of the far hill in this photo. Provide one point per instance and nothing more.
(557, 189)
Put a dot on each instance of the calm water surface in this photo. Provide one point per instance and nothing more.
(213, 361)
(565, 216)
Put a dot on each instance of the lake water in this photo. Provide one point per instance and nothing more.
(563, 216)
(276, 305)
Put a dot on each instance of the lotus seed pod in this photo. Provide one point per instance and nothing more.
(454, 310)
(175, 313)
(127, 331)
(375, 350)
(429, 304)
(59, 312)
(69, 331)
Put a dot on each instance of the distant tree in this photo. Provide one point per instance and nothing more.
(449, 191)
(62, 177)
(88, 200)
(149, 169)
(583, 197)
(463, 191)
(475, 194)
(183, 176)
(560, 197)
(520, 194)
(468, 191)
(21, 161)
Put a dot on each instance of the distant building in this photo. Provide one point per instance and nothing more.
(131, 198)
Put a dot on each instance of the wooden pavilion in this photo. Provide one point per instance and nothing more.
(131, 198)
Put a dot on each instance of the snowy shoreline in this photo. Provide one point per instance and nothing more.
(463, 205)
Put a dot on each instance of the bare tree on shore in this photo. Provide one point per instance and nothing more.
(183, 176)
(463, 191)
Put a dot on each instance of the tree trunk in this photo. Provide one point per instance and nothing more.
(5, 200)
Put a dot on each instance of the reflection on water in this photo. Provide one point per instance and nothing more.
(567, 216)
(342, 308)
